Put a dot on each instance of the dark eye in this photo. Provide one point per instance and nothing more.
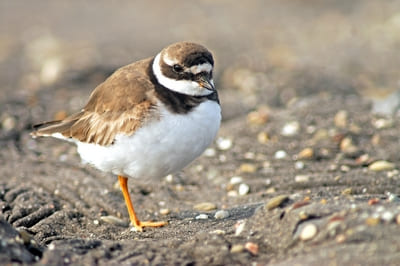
(177, 68)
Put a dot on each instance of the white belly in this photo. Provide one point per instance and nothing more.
(160, 148)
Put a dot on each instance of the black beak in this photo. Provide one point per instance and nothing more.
(206, 83)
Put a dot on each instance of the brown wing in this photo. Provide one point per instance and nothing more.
(120, 104)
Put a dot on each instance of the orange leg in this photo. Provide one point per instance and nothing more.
(123, 182)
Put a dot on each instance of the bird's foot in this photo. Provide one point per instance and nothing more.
(140, 225)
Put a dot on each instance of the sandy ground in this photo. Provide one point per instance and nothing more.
(305, 167)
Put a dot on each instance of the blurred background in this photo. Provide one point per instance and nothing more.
(267, 52)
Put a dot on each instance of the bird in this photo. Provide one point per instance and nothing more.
(147, 120)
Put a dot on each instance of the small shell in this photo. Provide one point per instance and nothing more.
(381, 166)
(290, 129)
(237, 248)
(205, 206)
(251, 247)
(281, 154)
(276, 202)
(224, 143)
(308, 232)
(202, 217)
(243, 189)
(306, 153)
(221, 214)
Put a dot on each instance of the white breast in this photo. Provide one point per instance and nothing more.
(159, 148)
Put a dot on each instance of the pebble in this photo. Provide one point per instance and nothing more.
(336, 178)
(262, 137)
(341, 118)
(114, 220)
(8, 123)
(239, 227)
(169, 178)
(205, 206)
(165, 211)
(347, 191)
(372, 221)
(306, 153)
(325, 153)
(373, 201)
(281, 154)
(250, 155)
(243, 189)
(232, 193)
(320, 134)
(290, 129)
(340, 238)
(96, 222)
(224, 143)
(383, 123)
(381, 166)
(270, 190)
(380, 209)
(210, 152)
(276, 202)
(237, 248)
(344, 168)
(236, 180)
(363, 159)
(303, 215)
(393, 198)
(247, 168)
(308, 232)
(221, 214)
(258, 117)
(347, 146)
(387, 216)
(398, 219)
(392, 173)
(202, 216)
(301, 178)
(299, 165)
(51, 246)
(199, 168)
(251, 247)
(50, 71)
(179, 188)
(267, 164)
(218, 232)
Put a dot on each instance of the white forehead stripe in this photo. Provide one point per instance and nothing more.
(169, 61)
(188, 87)
(206, 67)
